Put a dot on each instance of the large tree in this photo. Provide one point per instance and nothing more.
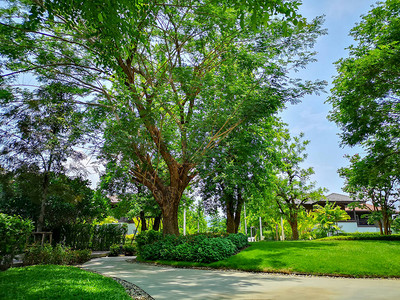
(366, 92)
(172, 79)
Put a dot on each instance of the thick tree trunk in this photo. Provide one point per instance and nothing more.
(233, 213)
(157, 222)
(293, 225)
(170, 219)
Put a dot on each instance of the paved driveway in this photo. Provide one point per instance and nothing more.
(175, 283)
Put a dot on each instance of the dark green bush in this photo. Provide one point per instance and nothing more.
(95, 237)
(239, 240)
(129, 249)
(197, 248)
(364, 236)
(14, 232)
(115, 250)
(147, 237)
(58, 255)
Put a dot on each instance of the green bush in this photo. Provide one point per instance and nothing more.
(129, 249)
(364, 236)
(196, 248)
(115, 250)
(14, 232)
(95, 237)
(147, 237)
(239, 240)
(58, 255)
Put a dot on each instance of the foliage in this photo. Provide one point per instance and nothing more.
(115, 250)
(364, 236)
(40, 130)
(196, 248)
(166, 82)
(58, 282)
(365, 96)
(69, 200)
(338, 258)
(292, 186)
(58, 255)
(376, 182)
(396, 225)
(95, 237)
(195, 217)
(129, 249)
(327, 217)
(14, 232)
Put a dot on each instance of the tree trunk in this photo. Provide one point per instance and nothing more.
(45, 186)
(157, 221)
(233, 213)
(170, 219)
(293, 225)
(143, 221)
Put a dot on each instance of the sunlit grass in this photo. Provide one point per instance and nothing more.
(57, 282)
(345, 258)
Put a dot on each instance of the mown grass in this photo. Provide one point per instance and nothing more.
(57, 282)
(343, 258)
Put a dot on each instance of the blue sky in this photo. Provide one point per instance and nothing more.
(324, 152)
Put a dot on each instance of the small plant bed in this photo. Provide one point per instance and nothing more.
(374, 259)
(58, 282)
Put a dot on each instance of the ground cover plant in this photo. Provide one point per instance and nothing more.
(342, 258)
(365, 236)
(57, 282)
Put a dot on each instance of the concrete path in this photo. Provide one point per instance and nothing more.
(175, 283)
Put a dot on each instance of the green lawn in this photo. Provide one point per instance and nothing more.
(57, 282)
(346, 258)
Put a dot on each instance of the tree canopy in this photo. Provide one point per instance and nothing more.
(167, 81)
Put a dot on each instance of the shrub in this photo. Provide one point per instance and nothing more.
(96, 237)
(14, 232)
(115, 250)
(239, 240)
(59, 255)
(196, 248)
(365, 236)
(129, 249)
(147, 237)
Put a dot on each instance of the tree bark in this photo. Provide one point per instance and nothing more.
(157, 222)
(233, 213)
(293, 225)
(45, 187)
(143, 221)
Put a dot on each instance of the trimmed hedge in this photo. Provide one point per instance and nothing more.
(95, 237)
(58, 255)
(372, 236)
(153, 245)
(14, 232)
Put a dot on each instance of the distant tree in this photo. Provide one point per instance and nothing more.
(292, 183)
(327, 216)
(244, 165)
(69, 200)
(378, 183)
(39, 131)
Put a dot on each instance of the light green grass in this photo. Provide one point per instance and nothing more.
(57, 282)
(344, 258)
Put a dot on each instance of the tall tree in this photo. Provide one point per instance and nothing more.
(292, 183)
(39, 131)
(181, 74)
(366, 92)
